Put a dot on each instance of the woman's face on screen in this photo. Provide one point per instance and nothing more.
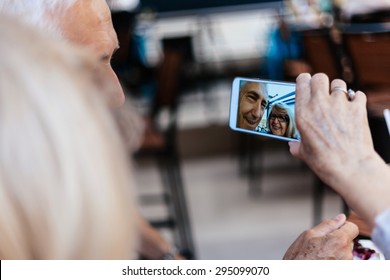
(278, 123)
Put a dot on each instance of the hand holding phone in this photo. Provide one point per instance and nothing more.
(263, 107)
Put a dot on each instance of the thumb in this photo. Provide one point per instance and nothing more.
(294, 148)
(330, 225)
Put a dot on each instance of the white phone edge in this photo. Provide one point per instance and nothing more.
(234, 108)
(386, 113)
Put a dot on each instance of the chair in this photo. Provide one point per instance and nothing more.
(160, 144)
(322, 53)
(381, 15)
(368, 48)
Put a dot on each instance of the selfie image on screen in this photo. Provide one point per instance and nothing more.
(267, 108)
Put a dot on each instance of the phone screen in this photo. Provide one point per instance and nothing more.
(263, 107)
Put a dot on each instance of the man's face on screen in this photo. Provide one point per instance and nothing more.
(252, 103)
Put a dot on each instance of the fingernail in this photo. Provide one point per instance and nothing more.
(339, 217)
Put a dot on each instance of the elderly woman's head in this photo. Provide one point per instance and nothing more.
(281, 121)
(65, 186)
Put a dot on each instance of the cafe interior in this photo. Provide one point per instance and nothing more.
(222, 194)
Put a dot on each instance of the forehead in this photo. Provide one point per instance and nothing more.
(254, 87)
(279, 110)
(88, 23)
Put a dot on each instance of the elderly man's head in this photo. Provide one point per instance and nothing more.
(252, 102)
(83, 22)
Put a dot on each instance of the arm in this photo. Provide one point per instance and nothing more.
(336, 144)
(152, 243)
(153, 246)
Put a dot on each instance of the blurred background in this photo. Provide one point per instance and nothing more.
(220, 194)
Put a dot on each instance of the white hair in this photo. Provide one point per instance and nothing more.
(65, 187)
(40, 13)
(123, 5)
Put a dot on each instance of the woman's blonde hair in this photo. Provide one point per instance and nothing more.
(65, 187)
(282, 109)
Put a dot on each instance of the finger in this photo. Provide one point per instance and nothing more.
(319, 87)
(360, 98)
(343, 238)
(330, 225)
(294, 148)
(338, 89)
(347, 229)
(360, 105)
(302, 94)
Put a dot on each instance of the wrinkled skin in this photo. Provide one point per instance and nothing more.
(94, 30)
(336, 144)
(330, 240)
(334, 131)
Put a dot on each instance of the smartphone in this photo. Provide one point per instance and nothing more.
(263, 108)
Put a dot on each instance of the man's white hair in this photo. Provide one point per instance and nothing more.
(41, 13)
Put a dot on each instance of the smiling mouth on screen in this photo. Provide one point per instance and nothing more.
(251, 123)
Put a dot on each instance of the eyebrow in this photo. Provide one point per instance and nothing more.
(253, 92)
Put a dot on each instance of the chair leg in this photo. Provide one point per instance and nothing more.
(243, 154)
(184, 224)
(318, 200)
(318, 196)
(255, 166)
(178, 206)
(380, 137)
